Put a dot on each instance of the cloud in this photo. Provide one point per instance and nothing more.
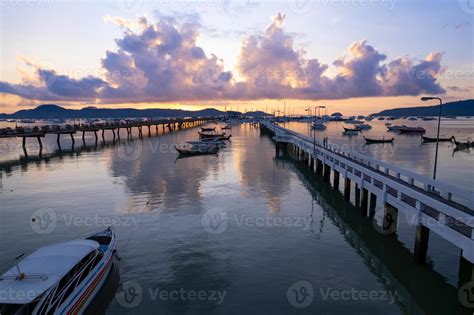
(161, 62)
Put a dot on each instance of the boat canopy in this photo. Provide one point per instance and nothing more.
(43, 269)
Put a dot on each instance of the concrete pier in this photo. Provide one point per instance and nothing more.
(347, 188)
(336, 180)
(390, 219)
(421, 243)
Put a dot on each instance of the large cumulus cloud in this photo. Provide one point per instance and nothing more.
(161, 62)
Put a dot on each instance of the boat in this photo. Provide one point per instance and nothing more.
(196, 149)
(27, 121)
(318, 125)
(208, 129)
(226, 127)
(412, 118)
(350, 133)
(396, 128)
(381, 118)
(462, 145)
(406, 129)
(388, 124)
(353, 121)
(364, 126)
(383, 140)
(428, 118)
(63, 278)
(216, 136)
(428, 139)
(356, 129)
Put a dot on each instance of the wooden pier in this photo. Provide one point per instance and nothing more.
(39, 132)
(432, 205)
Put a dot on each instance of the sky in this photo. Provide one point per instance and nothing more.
(354, 56)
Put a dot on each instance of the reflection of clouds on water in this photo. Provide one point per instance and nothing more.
(257, 176)
(157, 180)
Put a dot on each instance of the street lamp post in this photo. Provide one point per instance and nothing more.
(424, 99)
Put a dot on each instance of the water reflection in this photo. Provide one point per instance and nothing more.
(422, 290)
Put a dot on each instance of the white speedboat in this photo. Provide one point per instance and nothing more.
(318, 125)
(59, 279)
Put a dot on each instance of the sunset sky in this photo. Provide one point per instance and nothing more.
(355, 56)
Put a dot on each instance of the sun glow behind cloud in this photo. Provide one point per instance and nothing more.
(162, 60)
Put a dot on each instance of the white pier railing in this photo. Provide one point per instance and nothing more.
(443, 208)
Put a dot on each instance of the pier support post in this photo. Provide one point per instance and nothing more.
(149, 131)
(327, 172)
(336, 180)
(357, 195)
(83, 137)
(421, 243)
(40, 143)
(319, 167)
(466, 271)
(373, 204)
(103, 137)
(96, 137)
(58, 142)
(113, 132)
(364, 203)
(72, 139)
(347, 188)
(118, 133)
(390, 219)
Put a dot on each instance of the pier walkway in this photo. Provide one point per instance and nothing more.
(430, 205)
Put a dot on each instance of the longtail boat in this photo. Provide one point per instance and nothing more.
(428, 139)
(383, 140)
(352, 129)
(417, 130)
(197, 150)
(208, 129)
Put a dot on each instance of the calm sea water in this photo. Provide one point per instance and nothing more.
(241, 232)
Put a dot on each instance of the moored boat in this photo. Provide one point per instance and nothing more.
(208, 129)
(417, 130)
(462, 145)
(364, 126)
(197, 149)
(226, 127)
(318, 125)
(60, 279)
(428, 139)
(350, 133)
(395, 128)
(216, 136)
(356, 129)
(383, 140)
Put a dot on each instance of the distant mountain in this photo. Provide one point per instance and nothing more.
(51, 111)
(458, 108)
